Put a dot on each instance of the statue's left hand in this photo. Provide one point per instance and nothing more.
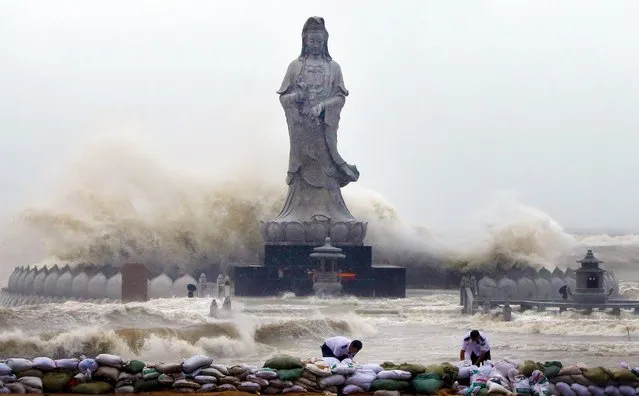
(317, 110)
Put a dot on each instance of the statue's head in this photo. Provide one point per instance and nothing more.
(315, 38)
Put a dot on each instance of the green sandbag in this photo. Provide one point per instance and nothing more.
(94, 388)
(427, 383)
(149, 385)
(552, 369)
(56, 381)
(413, 368)
(134, 366)
(528, 366)
(446, 372)
(598, 375)
(389, 366)
(623, 375)
(290, 374)
(283, 362)
(483, 392)
(390, 385)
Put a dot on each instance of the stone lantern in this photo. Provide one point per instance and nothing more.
(326, 277)
(590, 281)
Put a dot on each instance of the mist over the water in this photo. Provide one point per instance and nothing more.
(120, 199)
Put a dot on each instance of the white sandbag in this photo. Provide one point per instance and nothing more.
(221, 368)
(626, 390)
(31, 382)
(4, 390)
(396, 375)
(226, 388)
(32, 390)
(6, 379)
(211, 372)
(207, 388)
(205, 379)
(44, 364)
(195, 362)
(294, 389)
(5, 370)
(125, 389)
(362, 379)
(376, 368)
(521, 386)
(478, 378)
(108, 372)
(332, 380)
(579, 389)
(266, 374)
(348, 389)
(541, 389)
(612, 391)
(18, 365)
(248, 386)
(88, 366)
(318, 370)
(344, 369)
(106, 359)
(504, 366)
(67, 364)
(495, 388)
(464, 372)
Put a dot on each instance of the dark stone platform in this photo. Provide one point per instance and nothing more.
(287, 268)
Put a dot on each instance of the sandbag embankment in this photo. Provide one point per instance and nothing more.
(285, 374)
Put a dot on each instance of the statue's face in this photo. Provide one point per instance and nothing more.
(315, 43)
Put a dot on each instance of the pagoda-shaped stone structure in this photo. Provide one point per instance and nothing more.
(590, 281)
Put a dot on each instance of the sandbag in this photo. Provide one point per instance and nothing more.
(279, 384)
(258, 380)
(386, 393)
(88, 365)
(44, 364)
(266, 374)
(521, 386)
(332, 380)
(107, 374)
(31, 382)
(247, 386)
(627, 390)
(427, 383)
(598, 375)
(269, 390)
(166, 368)
(348, 389)
(612, 391)
(240, 371)
(134, 366)
(528, 366)
(230, 380)
(495, 388)
(283, 362)
(19, 364)
(94, 387)
(195, 362)
(344, 369)
(150, 373)
(317, 370)
(564, 389)
(207, 388)
(125, 389)
(569, 370)
(165, 379)
(147, 385)
(623, 375)
(15, 387)
(362, 379)
(30, 373)
(580, 390)
(376, 368)
(5, 370)
(67, 364)
(185, 383)
(389, 385)
(289, 374)
(4, 390)
(106, 359)
(56, 381)
(204, 379)
(394, 375)
(221, 368)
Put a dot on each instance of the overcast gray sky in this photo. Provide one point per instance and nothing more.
(451, 101)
